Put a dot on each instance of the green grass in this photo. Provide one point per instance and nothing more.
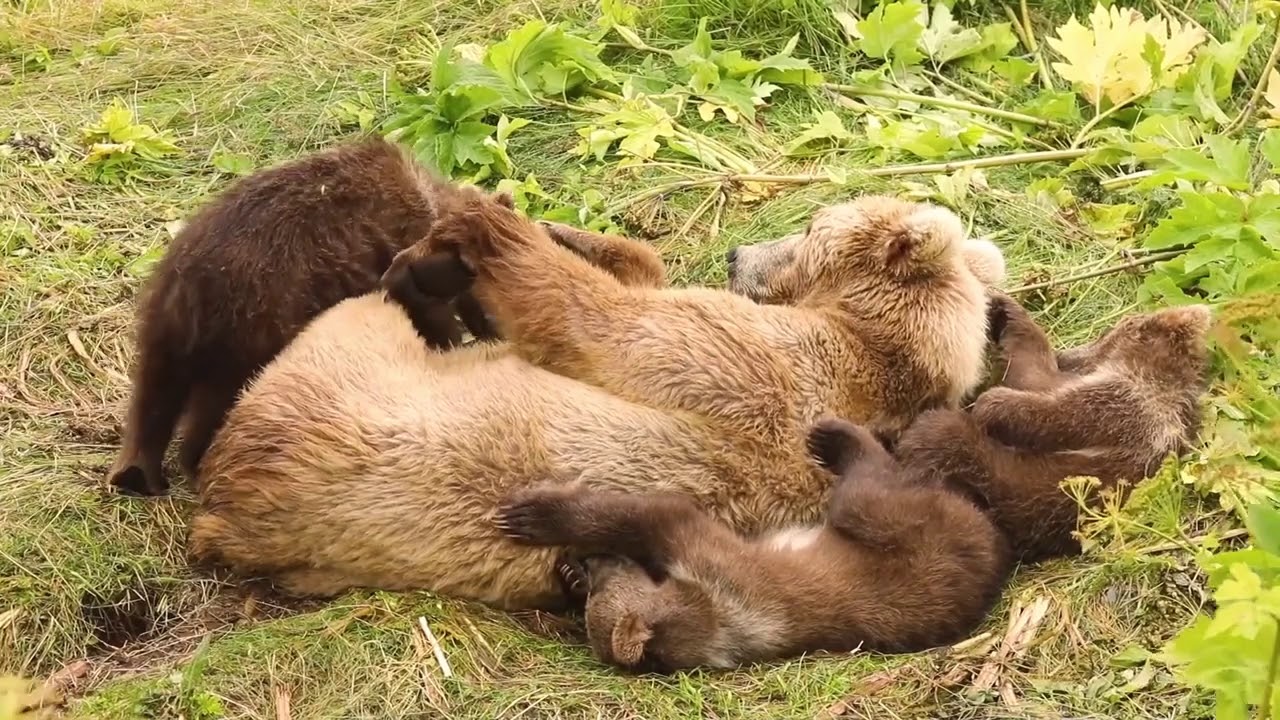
(87, 575)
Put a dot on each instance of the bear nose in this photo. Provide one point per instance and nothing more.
(732, 255)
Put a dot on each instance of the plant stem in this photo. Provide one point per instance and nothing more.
(1246, 113)
(1169, 546)
(1093, 123)
(886, 171)
(1122, 180)
(940, 102)
(957, 87)
(1028, 43)
(1110, 270)
(635, 43)
(1026, 25)
(1037, 49)
(1264, 711)
(552, 102)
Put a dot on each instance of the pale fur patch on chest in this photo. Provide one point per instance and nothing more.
(953, 347)
(743, 630)
(1160, 424)
(799, 537)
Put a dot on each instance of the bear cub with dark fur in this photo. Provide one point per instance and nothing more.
(1113, 409)
(254, 266)
(897, 566)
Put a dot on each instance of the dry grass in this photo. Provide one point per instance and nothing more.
(95, 595)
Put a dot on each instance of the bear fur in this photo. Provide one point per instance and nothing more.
(1112, 410)
(897, 566)
(359, 457)
(249, 270)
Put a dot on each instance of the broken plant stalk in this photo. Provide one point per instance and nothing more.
(1250, 107)
(939, 102)
(886, 171)
(1097, 118)
(1151, 259)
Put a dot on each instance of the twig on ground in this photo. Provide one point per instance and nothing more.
(1120, 181)
(1268, 694)
(1109, 270)
(1027, 33)
(284, 702)
(1251, 107)
(722, 199)
(1171, 546)
(939, 102)
(969, 643)
(815, 179)
(1024, 622)
(699, 211)
(435, 647)
(957, 87)
(77, 346)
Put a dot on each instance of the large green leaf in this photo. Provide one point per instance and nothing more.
(540, 59)
(892, 32)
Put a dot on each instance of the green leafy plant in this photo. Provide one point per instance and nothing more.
(1233, 235)
(1235, 653)
(447, 124)
(533, 200)
(111, 41)
(892, 32)
(541, 60)
(728, 82)
(121, 150)
(232, 163)
(827, 130)
(451, 124)
(635, 128)
(358, 112)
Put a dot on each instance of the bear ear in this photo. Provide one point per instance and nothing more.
(630, 635)
(505, 199)
(923, 240)
(1197, 317)
(984, 260)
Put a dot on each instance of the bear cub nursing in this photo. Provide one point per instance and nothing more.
(1113, 410)
(897, 566)
(254, 266)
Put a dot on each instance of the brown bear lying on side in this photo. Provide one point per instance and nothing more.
(250, 269)
(1113, 409)
(897, 566)
(359, 457)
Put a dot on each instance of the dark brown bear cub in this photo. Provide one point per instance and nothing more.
(897, 567)
(249, 270)
(1113, 410)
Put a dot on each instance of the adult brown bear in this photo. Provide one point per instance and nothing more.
(360, 457)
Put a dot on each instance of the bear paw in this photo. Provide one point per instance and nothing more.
(572, 573)
(998, 314)
(836, 444)
(138, 479)
(438, 276)
(536, 517)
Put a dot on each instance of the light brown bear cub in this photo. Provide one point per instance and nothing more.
(359, 457)
(897, 566)
(1113, 409)
(858, 290)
